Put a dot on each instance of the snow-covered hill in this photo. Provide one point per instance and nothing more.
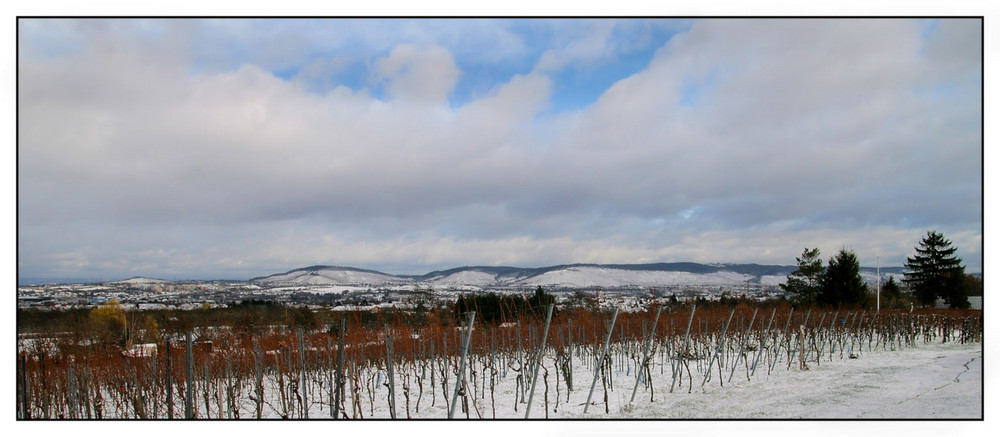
(140, 281)
(572, 277)
(329, 275)
(468, 277)
(562, 276)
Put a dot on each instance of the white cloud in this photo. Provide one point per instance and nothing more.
(800, 133)
(423, 75)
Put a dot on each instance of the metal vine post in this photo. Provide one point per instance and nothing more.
(645, 353)
(461, 367)
(541, 351)
(597, 368)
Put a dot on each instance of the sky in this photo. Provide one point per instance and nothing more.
(233, 148)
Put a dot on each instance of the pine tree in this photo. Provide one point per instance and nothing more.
(891, 293)
(935, 272)
(842, 283)
(804, 282)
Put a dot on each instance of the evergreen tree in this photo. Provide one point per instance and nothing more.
(935, 271)
(891, 294)
(973, 285)
(804, 282)
(842, 283)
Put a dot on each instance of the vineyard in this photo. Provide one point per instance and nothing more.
(573, 362)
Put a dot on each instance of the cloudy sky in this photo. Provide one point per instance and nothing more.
(234, 148)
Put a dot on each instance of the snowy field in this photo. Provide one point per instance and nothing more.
(923, 381)
(927, 381)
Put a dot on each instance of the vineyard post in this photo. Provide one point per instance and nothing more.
(743, 345)
(800, 339)
(340, 370)
(541, 351)
(45, 392)
(828, 336)
(763, 338)
(71, 391)
(302, 374)
(329, 376)
(461, 366)
(258, 379)
(433, 394)
(597, 368)
(785, 338)
(520, 360)
(802, 347)
(443, 369)
(86, 386)
(170, 384)
(25, 412)
(230, 394)
(189, 392)
(569, 342)
(722, 340)
(392, 382)
(680, 354)
(645, 353)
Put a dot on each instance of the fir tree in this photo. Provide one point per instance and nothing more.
(935, 271)
(891, 294)
(842, 283)
(804, 282)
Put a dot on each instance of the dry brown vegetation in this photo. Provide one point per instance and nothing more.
(288, 371)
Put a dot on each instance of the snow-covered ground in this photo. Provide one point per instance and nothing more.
(928, 381)
(931, 381)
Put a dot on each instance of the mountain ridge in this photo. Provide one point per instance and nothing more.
(565, 275)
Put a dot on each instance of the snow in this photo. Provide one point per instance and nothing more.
(607, 277)
(926, 381)
(773, 280)
(330, 276)
(468, 277)
(930, 382)
(141, 281)
(335, 289)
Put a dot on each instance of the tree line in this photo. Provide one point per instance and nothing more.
(491, 307)
(933, 272)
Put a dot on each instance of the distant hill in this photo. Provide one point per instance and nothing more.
(324, 275)
(568, 275)
(140, 281)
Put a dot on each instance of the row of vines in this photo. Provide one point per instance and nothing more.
(398, 369)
